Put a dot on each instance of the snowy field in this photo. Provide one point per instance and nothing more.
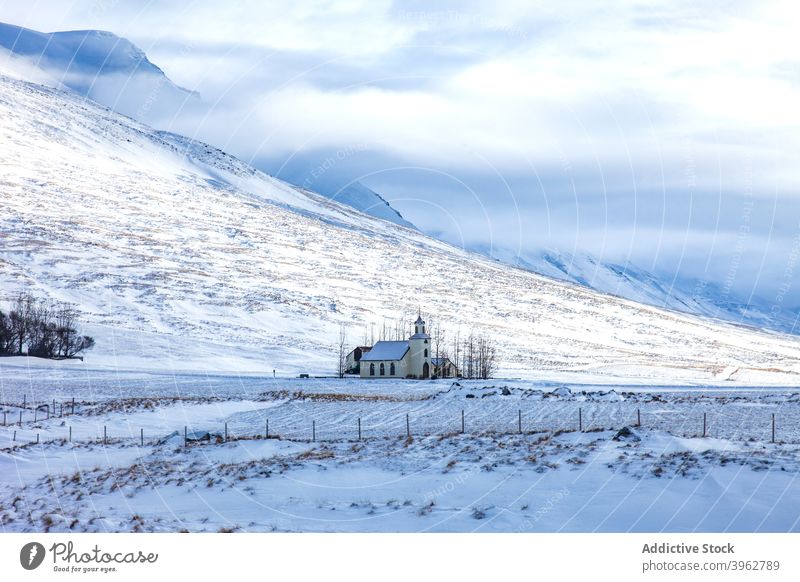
(314, 474)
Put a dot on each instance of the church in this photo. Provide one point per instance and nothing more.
(405, 359)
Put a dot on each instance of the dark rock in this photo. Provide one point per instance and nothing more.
(506, 391)
(626, 434)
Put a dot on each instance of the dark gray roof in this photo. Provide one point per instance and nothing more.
(386, 351)
(436, 361)
(420, 336)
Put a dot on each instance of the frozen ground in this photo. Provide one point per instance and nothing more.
(550, 477)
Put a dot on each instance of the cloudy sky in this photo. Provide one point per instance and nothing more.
(665, 134)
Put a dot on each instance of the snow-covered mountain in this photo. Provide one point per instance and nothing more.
(358, 196)
(101, 66)
(183, 257)
(116, 73)
(700, 297)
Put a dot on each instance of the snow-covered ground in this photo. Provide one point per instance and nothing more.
(491, 477)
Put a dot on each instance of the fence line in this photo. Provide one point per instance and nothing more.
(341, 431)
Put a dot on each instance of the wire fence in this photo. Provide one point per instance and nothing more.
(321, 421)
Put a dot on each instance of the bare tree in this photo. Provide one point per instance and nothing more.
(457, 351)
(469, 355)
(20, 317)
(42, 331)
(47, 330)
(6, 335)
(437, 341)
(342, 350)
(487, 358)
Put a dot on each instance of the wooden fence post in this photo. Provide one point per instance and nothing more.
(638, 417)
(73, 405)
(519, 421)
(226, 432)
(313, 431)
(463, 424)
(70, 434)
(704, 425)
(185, 437)
(105, 435)
(773, 427)
(408, 427)
(141, 436)
(20, 418)
(359, 428)
(266, 430)
(580, 419)
(24, 401)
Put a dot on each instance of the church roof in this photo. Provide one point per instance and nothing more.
(420, 336)
(419, 320)
(386, 351)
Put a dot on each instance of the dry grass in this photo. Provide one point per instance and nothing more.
(315, 455)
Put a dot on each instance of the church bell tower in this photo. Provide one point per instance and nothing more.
(420, 347)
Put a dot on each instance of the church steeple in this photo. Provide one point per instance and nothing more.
(419, 325)
(419, 344)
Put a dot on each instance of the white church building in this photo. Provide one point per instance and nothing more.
(400, 359)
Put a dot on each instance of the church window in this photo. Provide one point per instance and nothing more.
(383, 369)
(372, 369)
(391, 369)
(426, 352)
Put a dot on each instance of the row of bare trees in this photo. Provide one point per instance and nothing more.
(475, 354)
(43, 329)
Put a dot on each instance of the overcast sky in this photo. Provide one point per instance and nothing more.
(668, 135)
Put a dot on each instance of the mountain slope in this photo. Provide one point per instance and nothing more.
(101, 66)
(358, 196)
(181, 256)
(116, 73)
(693, 296)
